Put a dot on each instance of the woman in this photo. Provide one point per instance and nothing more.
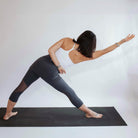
(62, 55)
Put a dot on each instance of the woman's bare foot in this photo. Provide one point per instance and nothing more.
(93, 115)
(7, 116)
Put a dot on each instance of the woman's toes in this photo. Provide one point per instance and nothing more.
(99, 115)
(14, 113)
(95, 115)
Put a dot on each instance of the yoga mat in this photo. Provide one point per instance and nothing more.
(60, 116)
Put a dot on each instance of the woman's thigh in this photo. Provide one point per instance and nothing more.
(59, 84)
(30, 77)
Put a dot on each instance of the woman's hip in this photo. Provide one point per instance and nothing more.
(44, 65)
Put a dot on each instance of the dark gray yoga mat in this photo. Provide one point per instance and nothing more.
(60, 116)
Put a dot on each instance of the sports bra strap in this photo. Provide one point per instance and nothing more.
(72, 48)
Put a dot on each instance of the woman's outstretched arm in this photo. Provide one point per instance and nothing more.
(99, 53)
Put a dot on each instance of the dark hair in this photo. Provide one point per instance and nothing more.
(87, 43)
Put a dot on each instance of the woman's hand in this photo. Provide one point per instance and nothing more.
(129, 37)
(61, 70)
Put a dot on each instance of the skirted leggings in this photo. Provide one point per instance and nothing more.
(45, 68)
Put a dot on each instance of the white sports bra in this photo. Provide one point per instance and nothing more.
(63, 57)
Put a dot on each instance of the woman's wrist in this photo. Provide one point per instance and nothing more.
(59, 66)
(117, 44)
(121, 42)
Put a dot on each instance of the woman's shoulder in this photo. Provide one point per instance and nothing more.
(67, 39)
(67, 43)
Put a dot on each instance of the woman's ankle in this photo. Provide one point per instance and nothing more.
(85, 109)
(8, 113)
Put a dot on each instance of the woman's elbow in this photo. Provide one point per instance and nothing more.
(49, 50)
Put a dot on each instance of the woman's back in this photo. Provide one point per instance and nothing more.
(64, 57)
(70, 48)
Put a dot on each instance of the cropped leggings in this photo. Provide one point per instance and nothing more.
(45, 68)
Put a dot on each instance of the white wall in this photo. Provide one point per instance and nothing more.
(29, 27)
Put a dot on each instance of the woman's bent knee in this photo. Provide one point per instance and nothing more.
(14, 96)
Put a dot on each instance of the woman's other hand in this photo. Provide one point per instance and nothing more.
(129, 37)
(61, 70)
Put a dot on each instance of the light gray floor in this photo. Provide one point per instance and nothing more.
(125, 110)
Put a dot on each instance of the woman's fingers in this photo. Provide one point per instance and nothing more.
(129, 37)
(62, 71)
(133, 36)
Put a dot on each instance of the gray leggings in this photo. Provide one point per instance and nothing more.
(45, 68)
